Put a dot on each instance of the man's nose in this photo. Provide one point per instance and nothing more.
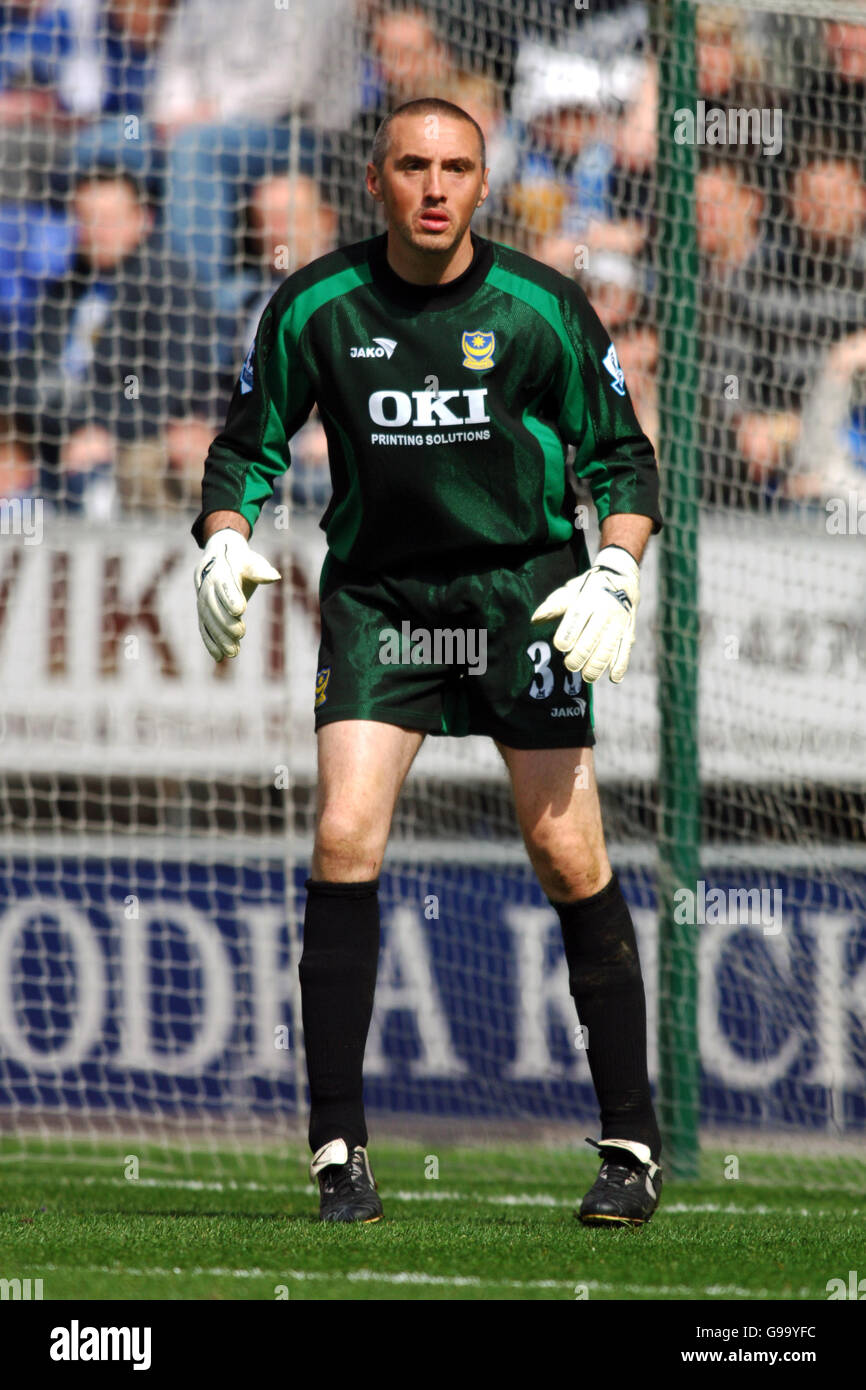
(433, 183)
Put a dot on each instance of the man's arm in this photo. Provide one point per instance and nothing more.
(612, 453)
(599, 607)
(630, 532)
(271, 400)
(224, 521)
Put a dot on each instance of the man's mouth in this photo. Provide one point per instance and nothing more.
(434, 221)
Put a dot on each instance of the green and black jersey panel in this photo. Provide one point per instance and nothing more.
(448, 409)
(457, 655)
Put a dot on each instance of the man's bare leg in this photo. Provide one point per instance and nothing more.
(362, 767)
(556, 799)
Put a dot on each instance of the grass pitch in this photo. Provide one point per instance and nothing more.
(495, 1224)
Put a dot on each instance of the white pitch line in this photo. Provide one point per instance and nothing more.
(250, 1185)
(300, 1275)
(511, 1199)
(417, 1278)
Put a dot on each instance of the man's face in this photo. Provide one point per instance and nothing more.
(410, 57)
(431, 180)
(111, 222)
(829, 201)
(141, 20)
(847, 47)
(726, 213)
(287, 213)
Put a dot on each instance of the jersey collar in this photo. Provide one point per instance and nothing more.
(412, 296)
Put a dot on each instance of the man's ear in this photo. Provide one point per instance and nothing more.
(372, 181)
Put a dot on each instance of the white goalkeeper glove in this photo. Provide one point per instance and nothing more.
(225, 577)
(598, 611)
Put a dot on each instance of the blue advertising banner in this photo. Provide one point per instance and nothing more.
(145, 986)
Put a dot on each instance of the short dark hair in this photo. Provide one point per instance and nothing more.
(107, 171)
(421, 106)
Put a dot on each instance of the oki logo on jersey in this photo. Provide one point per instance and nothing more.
(478, 349)
(384, 347)
(394, 409)
(611, 361)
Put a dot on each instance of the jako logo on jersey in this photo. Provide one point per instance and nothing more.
(384, 348)
(245, 380)
(611, 361)
(431, 408)
(322, 678)
(478, 349)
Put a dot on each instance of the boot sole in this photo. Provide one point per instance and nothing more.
(613, 1220)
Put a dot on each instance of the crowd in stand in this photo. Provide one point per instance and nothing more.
(164, 164)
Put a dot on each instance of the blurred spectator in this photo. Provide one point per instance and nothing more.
(72, 62)
(765, 443)
(729, 57)
(590, 113)
(19, 475)
(36, 40)
(830, 458)
(637, 347)
(484, 101)
(121, 347)
(222, 64)
(828, 202)
(775, 304)
(728, 214)
(408, 59)
(115, 58)
(616, 288)
(83, 60)
(829, 94)
(36, 245)
(289, 224)
(79, 59)
(635, 143)
(240, 93)
(808, 290)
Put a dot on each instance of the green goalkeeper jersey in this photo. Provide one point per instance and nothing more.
(448, 409)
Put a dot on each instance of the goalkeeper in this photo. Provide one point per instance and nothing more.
(450, 373)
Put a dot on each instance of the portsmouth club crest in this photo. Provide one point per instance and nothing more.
(322, 678)
(478, 349)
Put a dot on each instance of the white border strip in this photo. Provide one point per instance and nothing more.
(267, 849)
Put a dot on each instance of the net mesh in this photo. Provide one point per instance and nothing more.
(163, 167)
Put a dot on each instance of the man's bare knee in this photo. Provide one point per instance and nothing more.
(347, 848)
(567, 876)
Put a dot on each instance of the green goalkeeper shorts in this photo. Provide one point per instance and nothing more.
(452, 653)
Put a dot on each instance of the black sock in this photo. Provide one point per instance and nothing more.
(607, 987)
(338, 980)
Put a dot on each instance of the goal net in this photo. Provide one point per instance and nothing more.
(164, 166)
